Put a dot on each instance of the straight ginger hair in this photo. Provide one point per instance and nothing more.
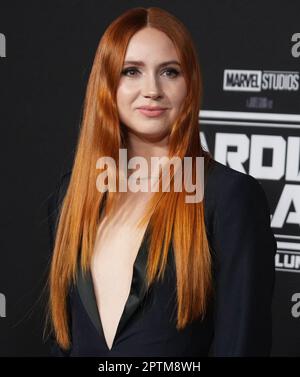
(171, 219)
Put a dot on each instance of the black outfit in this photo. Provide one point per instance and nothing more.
(238, 322)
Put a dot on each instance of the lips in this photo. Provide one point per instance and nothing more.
(152, 108)
(152, 111)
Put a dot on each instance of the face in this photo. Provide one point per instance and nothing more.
(151, 76)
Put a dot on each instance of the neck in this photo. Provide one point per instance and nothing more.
(142, 147)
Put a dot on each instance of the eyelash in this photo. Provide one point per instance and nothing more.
(126, 70)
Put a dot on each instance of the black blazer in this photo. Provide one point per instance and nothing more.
(238, 322)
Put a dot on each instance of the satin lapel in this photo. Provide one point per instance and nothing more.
(138, 287)
(137, 292)
(87, 296)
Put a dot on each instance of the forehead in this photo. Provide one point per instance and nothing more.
(150, 44)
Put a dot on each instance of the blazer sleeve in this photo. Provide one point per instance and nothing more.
(245, 250)
(54, 203)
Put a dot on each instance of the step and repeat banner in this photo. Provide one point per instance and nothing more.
(249, 54)
(251, 122)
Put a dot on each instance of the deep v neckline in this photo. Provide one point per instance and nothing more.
(137, 292)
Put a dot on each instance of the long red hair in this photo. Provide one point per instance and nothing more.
(101, 135)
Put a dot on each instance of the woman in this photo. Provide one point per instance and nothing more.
(143, 273)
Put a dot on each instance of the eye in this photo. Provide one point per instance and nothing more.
(130, 72)
(173, 71)
(126, 70)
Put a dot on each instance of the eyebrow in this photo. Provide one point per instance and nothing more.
(140, 63)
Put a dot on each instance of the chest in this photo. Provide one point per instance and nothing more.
(114, 254)
(117, 242)
(116, 247)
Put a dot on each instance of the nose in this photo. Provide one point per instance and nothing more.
(151, 87)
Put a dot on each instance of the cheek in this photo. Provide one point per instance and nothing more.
(177, 90)
(179, 95)
(125, 95)
(127, 87)
(124, 104)
(122, 100)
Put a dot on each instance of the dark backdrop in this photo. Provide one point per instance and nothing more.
(48, 54)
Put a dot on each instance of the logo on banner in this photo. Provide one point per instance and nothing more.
(267, 147)
(257, 80)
